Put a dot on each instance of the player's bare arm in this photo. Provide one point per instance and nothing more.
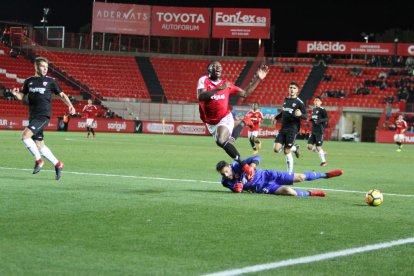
(19, 95)
(260, 75)
(204, 95)
(66, 100)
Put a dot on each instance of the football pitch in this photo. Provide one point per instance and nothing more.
(141, 204)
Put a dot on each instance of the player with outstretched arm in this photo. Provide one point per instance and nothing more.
(38, 90)
(268, 181)
(213, 94)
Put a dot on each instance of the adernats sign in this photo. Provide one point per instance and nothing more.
(336, 47)
(241, 23)
(405, 49)
(121, 18)
(180, 22)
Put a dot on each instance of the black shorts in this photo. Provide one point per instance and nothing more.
(37, 125)
(316, 139)
(286, 138)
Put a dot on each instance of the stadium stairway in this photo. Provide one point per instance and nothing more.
(233, 98)
(151, 80)
(312, 82)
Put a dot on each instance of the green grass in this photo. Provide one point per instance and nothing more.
(152, 205)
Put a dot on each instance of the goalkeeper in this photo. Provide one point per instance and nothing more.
(268, 181)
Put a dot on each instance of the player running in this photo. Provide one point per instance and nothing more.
(255, 116)
(90, 110)
(213, 94)
(400, 128)
(268, 181)
(38, 89)
(318, 119)
(293, 111)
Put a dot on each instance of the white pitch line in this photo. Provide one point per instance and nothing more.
(188, 180)
(312, 259)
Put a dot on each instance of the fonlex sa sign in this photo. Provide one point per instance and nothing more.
(241, 23)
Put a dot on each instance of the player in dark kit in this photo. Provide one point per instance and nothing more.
(38, 90)
(319, 119)
(213, 94)
(293, 111)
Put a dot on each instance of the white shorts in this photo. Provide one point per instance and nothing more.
(227, 121)
(252, 133)
(399, 137)
(89, 122)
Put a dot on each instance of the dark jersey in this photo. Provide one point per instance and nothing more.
(289, 120)
(39, 92)
(319, 119)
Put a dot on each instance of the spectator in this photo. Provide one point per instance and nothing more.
(7, 94)
(402, 94)
(6, 36)
(288, 69)
(382, 75)
(389, 99)
(383, 85)
(356, 72)
(66, 119)
(388, 111)
(327, 77)
(14, 53)
(409, 61)
(109, 114)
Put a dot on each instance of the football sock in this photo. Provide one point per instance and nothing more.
(231, 150)
(321, 154)
(314, 175)
(93, 132)
(31, 146)
(237, 130)
(47, 153)
(398, 143)
(88, 130)
(289, 162)
(301, 193)
(252, 143)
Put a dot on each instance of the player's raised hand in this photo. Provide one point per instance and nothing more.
(262, 72)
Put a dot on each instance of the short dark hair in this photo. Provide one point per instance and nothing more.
(220, 165)
(319, 98)
(294, 83)
(40, 59)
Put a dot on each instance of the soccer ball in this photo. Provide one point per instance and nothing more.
(374, 197)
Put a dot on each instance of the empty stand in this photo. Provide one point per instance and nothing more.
(109, 75)
(274, 88)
